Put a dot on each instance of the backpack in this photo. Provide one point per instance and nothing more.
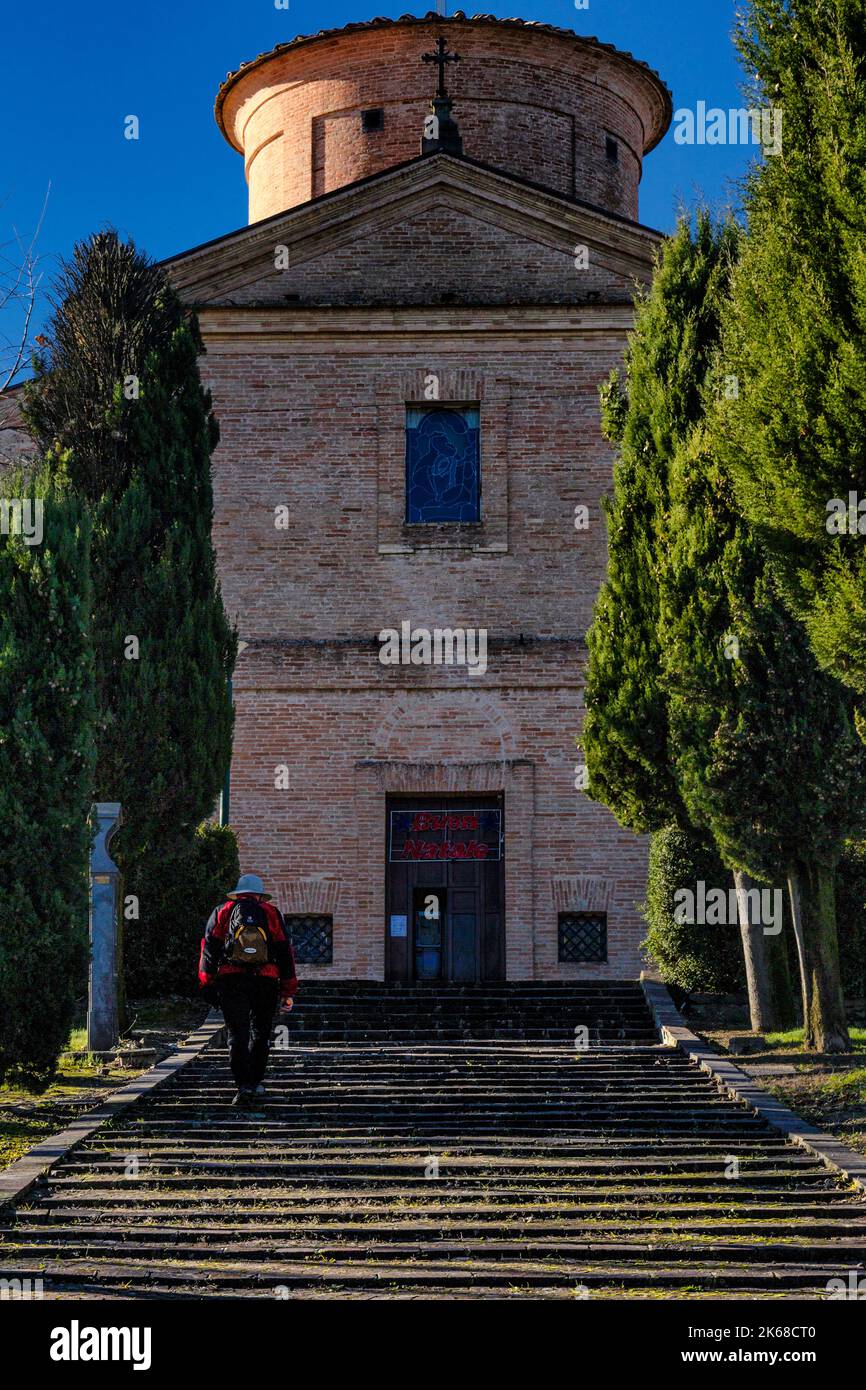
(248, 941)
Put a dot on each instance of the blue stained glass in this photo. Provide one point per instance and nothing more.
(442, 473)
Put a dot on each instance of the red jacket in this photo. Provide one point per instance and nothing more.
(212, 966)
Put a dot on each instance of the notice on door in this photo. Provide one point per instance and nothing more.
(399, 925)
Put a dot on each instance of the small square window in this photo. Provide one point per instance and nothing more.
(583, 937)
(373, 119)
(443, 474)
(611, 147)
(312, 939)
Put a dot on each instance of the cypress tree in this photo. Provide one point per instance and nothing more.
(767, 757)
(626, 735)
(46, 775)
(119, 401)
(795, 333)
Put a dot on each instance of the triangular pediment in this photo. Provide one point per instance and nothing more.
(438, 229)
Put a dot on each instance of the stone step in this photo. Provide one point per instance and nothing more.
(475, 1169)
(385, 1018)
(316, 1108)
(690, 1120)
(346, 1148)
(598, 1204)
(454, 1274)
(430, 1292)
(720, 1127)
(580, 1081)
(280, 1081)
(520, 989)
(423, 1005)
(75, 1225)
(394, 1036)
(527, 1249)
(341, 1187)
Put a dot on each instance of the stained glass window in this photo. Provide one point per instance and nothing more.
(443, 478)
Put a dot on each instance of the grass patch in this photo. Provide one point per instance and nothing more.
(792, 1040)
(20, 1134)
(82, 1081)
(26, 1118)
(845, 1088)
(832, 1098)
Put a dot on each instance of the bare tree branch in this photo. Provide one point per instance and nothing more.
(19, 285)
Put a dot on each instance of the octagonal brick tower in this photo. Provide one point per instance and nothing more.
(544, 104)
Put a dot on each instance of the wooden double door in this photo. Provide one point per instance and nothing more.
(445, 908)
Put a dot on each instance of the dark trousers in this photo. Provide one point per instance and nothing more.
(249, 1003)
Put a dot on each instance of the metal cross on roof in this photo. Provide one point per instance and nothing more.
(441, 56)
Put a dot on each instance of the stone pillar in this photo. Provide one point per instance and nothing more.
(102, 1011)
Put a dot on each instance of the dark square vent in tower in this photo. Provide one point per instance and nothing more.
(373, 119)
(612, 149)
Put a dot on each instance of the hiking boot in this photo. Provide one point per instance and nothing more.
(244, 1097)
(259, 1090)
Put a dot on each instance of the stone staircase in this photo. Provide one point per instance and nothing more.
(370, 1012)
(502, 1164)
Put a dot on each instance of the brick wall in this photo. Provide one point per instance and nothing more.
(314, 422)
(437, 242)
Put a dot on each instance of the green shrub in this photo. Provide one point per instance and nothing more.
(118, 403)
(705, 958)
(46, 780)
(176, 895)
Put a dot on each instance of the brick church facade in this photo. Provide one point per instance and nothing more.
(404, 351)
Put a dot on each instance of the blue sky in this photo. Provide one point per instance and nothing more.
(72, 72)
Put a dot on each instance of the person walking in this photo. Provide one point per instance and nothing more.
(247, 968)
